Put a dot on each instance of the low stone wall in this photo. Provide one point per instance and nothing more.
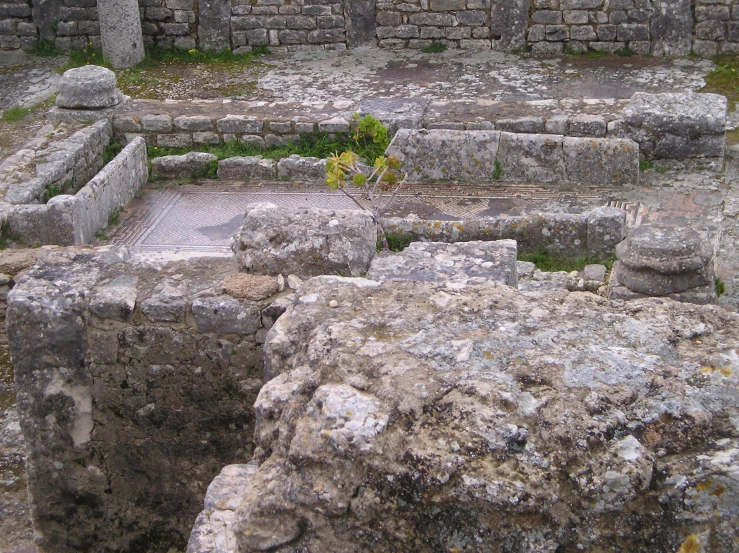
(17, 29)
(488, 156)
(594, 234)
(135, 387)
(65, 164)
(73, 220)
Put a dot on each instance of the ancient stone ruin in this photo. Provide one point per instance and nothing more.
(553, 373)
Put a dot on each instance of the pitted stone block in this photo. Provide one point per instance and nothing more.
(601, 161)
(461, 263)
(88, 87)
(668, 250)
(115, 300)
(532, 157)
(226, 315)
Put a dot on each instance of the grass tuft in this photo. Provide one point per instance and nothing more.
(397, 242)
(46, 48)
(547, 262)
(16, 113)
(724, 79)
(113, 148)
(435, 47)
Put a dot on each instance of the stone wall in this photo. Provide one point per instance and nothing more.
(659, 27)
(286, 25)
(135, 386)
(17, 29)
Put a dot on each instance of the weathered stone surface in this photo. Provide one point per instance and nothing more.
(668, 250)
(213, 528)
(134, 417)
(679, 125)
(532, 157)
(671, 27)
(361, 23)
(225, 315)
(305, 242)
(396, 113)
(601, 161)
(190, 164)
(247, 168)
(700, 295)
(442, 154)
(509, 21)
(88, 87)
(379, 418)
(120, 31)
(460, 263)
(214, 25)
(249, 287)
(606, 229)
(115, 299)
(587, 125)
(652, 283)
(309, 169)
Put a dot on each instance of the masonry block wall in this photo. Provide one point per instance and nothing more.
(17, 29)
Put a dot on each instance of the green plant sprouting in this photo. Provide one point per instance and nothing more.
(435, 47)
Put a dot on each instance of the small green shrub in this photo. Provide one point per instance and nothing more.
(435, 47)
(113, 148)
(16, 113)
(497, 170)
(624, 52)
(53, 190)
(397, 242)
(115, 217)
(720, 287)
(46, 48)
(645, 165)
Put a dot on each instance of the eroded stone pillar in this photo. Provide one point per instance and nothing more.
(120, 30)
(214, 25)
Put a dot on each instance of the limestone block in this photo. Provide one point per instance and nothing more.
(214, 18)
(116, 299)
(606, 229)
(463, 263)
(247, 168)
(226, 315)
(187, 165)
(305, 242)
(309, 169)
(239, 124)
(120, 31)
(157, 122)
(587, 125)
(532, 157)
(88, 87)
(521, 124)
(665, 249)
(601, 161)
(446, 154)
(193, 123)
(652, 283)
(396, 113)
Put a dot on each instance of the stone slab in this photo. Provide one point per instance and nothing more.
(396, 113)
(532, 158)
(462, 263)
(120, 31)
(601, 161)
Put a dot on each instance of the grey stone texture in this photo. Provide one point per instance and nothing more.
(417, 440)
(305, 242)
(247, 168)
(461, 263)
(88, 87)
(132, 415)
(214, 25)
(606, 161)
(120, 32)
(664, 261)
(677, 125)
(190, 164)
(307, 169)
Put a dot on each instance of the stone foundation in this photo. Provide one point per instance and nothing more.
(135, 386)
(662, 27)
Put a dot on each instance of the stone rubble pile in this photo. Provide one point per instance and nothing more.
(664, 261)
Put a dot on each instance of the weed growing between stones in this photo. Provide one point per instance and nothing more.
(548, 262)
(113, 148)
(497, 170)
(16, 113)
(720, 287)
(46, 48)
(435, 47)
(645, 165)
(624, 52)
(724, 79)
(396, 242)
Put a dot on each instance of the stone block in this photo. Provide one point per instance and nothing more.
(296, 168)
(247, 168)
(547, 17)
(174, 140)
(305, 242)
(471, 17)
(194, 123)
(602, 161)
(225, 315)
(583, 33)
(531, 158)
(116, 299)
(335, 124)
(576, 17)
(606, 229)
(558, 124)
(120, 30)
(214, 29)
(239, 124)
(191, 164)
(653, 283)
(462, 263)
(671, 27)
(433, 19)
(632, 31)
(557, 33)
(446, 154)
(88, 87)
(157, 123)
(587, 125)
(710, 30)
(521, 124)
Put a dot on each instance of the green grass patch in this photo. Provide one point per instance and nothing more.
(724, 79)
(113, 148)
(16, 113)
(525, 49)
(547, 262)
(497, 170)
(46, 48)
(319, 145)
(435, 47)
(646, 165)
(115, 217)
(624, 52)
(397, 242)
